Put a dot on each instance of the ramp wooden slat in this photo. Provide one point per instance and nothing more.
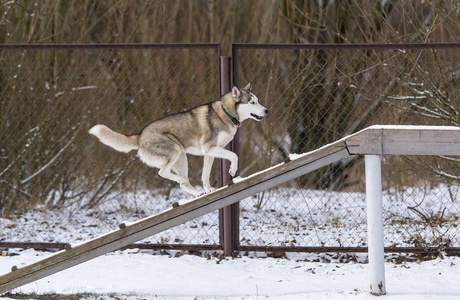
(406, 140)
(173, 217)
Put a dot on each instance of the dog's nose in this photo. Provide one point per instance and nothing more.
(266, 111)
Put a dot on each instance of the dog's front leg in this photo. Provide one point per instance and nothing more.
(220, 152)
(207, 167)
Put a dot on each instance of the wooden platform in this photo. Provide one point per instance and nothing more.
(379, 140)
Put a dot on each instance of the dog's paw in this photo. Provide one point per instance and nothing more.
(232, 170)
(209, 190)
(199, 194)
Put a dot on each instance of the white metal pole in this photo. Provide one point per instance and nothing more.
(375, 224)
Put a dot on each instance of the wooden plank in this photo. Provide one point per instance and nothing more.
(173, 217)
(406, 140)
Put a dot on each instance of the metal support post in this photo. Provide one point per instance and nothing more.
(375, 224)
(229, 223)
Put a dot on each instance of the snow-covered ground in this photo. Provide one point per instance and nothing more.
(134, 274)
(284, 216)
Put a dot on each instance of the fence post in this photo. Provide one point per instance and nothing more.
(228, 216)
(375, 224)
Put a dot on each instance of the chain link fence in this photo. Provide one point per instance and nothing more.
(59, 184)
(318, 94)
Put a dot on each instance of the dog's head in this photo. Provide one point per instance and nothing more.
(247, 104)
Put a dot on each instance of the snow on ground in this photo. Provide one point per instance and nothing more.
(285, 216)
(134, 274)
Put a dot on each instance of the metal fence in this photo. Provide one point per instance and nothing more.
(320, 93)
(58, 185)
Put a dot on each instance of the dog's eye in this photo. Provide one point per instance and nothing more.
(252, 102)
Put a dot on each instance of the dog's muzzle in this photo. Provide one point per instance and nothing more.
(260, 118)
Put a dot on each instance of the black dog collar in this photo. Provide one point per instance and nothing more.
(234, 120)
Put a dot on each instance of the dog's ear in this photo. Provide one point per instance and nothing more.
(248, 86)
(236, 93)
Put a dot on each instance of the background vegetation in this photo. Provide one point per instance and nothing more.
(230, 21)
(50, 98)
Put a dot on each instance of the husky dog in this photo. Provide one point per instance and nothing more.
(203, 130)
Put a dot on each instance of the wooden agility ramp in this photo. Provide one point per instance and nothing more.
(374, 140)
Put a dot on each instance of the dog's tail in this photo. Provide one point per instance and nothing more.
(118, 141)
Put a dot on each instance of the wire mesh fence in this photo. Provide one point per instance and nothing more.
(58, 184)
(318, 94)
(52, 170)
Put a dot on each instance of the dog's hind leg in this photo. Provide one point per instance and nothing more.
(179, 165)
(206, 174)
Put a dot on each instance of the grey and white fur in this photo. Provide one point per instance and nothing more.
(204, 130)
